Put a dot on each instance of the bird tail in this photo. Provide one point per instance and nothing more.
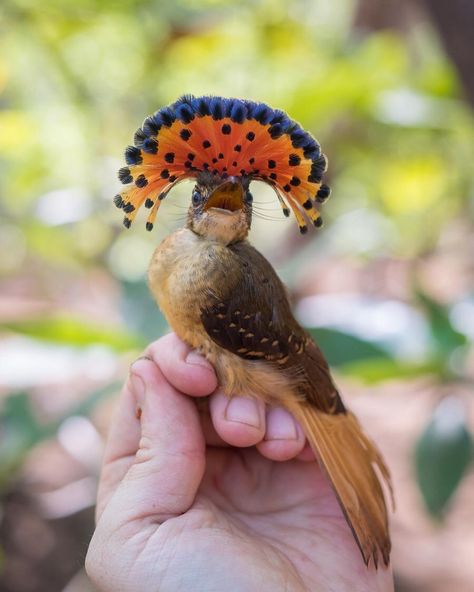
(349, 459)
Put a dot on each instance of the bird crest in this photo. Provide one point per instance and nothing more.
(228, 138)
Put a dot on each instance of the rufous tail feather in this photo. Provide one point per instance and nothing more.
(349, 459)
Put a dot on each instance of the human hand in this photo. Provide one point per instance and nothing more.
(201, 501)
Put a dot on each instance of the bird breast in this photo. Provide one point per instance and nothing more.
(184, 272)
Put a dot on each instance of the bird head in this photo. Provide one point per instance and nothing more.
(223, 144)
(221, 209)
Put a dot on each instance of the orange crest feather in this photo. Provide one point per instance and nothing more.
(227, 137)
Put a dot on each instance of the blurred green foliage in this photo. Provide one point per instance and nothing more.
(442, 455)
(75, 332)
(22, 430)
(77, 78)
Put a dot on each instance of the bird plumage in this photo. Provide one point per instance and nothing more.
(226, 137)
(222, 297)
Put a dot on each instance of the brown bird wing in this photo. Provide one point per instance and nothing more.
(250, 316)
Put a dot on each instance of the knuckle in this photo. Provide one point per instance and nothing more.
(161, 345)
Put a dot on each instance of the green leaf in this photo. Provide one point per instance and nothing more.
(442, 455)
(445, 338)
(341, 348)
(374, 370)
(20, 432)
(74, 331)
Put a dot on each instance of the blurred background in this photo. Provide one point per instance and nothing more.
(386, 287)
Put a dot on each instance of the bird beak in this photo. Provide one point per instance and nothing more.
(227, 196)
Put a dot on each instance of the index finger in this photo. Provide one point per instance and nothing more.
(185, 369)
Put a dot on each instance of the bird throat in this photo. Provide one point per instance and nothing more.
(223, 226)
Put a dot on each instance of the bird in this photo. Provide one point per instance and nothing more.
(223, 298)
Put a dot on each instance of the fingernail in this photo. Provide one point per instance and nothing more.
(280, 425)
(138, 387)
(196, 359)
(243, 410)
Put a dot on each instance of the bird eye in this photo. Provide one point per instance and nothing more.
(197, 197)
(248, 197)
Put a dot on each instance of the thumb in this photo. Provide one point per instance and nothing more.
(169, 465)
